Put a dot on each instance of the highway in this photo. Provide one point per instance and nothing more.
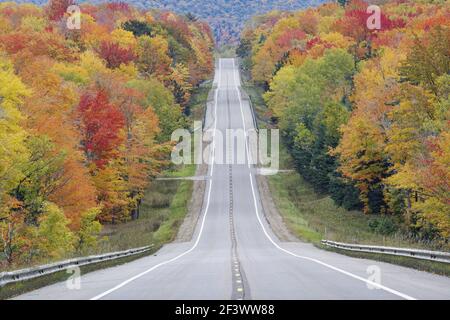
(234, 254)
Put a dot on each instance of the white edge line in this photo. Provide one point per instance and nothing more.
(377, 285)
(124, 283)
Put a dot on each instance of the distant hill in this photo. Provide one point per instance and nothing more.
(226, 17)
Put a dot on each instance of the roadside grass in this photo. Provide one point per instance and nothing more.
(178, 209)
(197, 102)
(162, 210)
(184, 171)
(255, 93)
(312, 216)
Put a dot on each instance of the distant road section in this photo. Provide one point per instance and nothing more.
(234, 254)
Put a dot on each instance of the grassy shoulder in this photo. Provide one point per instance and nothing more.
(311, 216)
(161, 213)
(177, 210)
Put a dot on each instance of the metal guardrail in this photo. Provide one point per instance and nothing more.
(406, 252)
(34, 272)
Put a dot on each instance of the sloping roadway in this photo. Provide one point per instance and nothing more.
(234, 254)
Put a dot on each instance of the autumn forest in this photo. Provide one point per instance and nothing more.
(363, 112)
(86, 114)
(86, 117)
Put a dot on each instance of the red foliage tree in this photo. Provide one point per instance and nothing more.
(102, 123)
(354, 24)
(114, 54)
(14, 42)
(317, 41)
(287, 39)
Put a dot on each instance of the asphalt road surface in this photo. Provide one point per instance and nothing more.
(234, 254)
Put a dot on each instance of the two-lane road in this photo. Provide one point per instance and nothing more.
(235, 255)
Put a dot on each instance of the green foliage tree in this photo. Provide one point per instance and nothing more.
(429, 59)
(42, 176)
(156, 96)
(13, 150)
(138, 28)
(54, 238)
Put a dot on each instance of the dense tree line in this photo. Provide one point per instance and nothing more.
(226, 17)
(364, 113)
(85, 117)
